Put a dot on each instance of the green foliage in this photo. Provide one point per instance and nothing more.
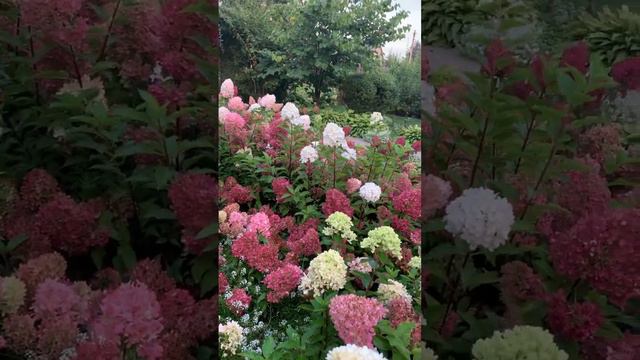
(302, 96)
(446, 22)
(275, 45)
(411, 133)
(407, 85)
(613, 34)
(360, 124)
(374, 90)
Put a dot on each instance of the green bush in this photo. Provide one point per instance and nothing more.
(374, 90)
(411, 133)
(302, 96)
(407, 79)
(360, 124)
(614, 34)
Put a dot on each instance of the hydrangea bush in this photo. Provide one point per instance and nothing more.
(106, 159)
(318, 234)
(530, 208)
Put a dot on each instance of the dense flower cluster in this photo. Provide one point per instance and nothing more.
(519, 343)
(355, 317)
(232, 337)
(327, 271)
(282, 281)
(480, 217)
(337, 201)
(578, 321)
(354, 352)
(384, 239)
(339, 224)
(603, 251)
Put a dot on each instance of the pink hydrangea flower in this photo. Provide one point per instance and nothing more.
(262, 257)
(572, 321)
(259, 223)
(239, 301)
(336, 201)
(193, 197)
(400, 310)
(577, 56)
(282, 281)
(227, 89)
(408, 202)
(627, 73)
(132, 313)
(280, 187)
(63, 224)
(304, 240)
(38, 187)
(232, 192)
(355, 318)
(353, 185)
(268, 101)
(602, 248)
(236, 104)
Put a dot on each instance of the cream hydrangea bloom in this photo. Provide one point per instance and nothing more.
(327, 271)
(480, 217)
(308, 154)
(333, 135)
(385, 239)
(354, 352)
(12, 292)
(304, 121)
(339, 224)
(415, 262)
(519, 343)
(392, 290)
(231, 337)
(290, 112)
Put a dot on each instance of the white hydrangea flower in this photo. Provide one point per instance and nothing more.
(415, 262)
(254, 107)
(333, 135)
(304, 121)
(376, 117)
(289, 112)
(370, 192)
(308, 154)
(231, 337)
(392, 290)
(480, 217)
(349, 154)
(354, 352)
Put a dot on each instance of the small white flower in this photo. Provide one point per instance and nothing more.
(480, 217)
(349, 154)
(254, 107)
(354, 352)
(308, 154)
(304, 121)
(289, 112)
(333, 135)
(370, 192)
(376, 118)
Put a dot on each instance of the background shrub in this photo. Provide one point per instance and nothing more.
(614, 34)
(372, 91)
(360, 124)
(407, 85)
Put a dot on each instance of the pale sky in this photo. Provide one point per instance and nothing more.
(400, 47)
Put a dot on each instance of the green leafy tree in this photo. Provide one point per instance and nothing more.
(329, 38)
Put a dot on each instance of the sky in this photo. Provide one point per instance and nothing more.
(399, 47)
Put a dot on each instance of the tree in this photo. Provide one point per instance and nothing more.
(328, 38)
